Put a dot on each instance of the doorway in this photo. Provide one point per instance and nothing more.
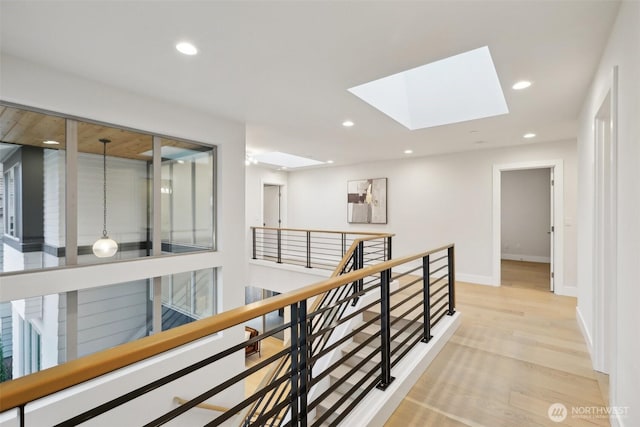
(526, 228)
(554, 209)
(272, 206)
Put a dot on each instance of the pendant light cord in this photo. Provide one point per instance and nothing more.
(104, 169)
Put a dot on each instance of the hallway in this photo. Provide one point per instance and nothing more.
(517, 351)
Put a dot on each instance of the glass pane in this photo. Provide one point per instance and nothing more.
(126, 217)
(204, 293)
(187, 197)
(187, 297)
(32, 190)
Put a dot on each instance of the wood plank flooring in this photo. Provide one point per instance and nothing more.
(518, 350)
(268, 347)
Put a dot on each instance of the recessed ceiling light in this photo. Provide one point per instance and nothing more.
(330, 161)
(408, 151)
(529, 135)
(51, 142)
(186, 48)
(522, 84)
(347, 123)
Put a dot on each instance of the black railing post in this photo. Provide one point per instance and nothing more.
(303, 363)
(294, 364)
(308, 249)
(385, 330)
(452, 280)
(360, 264)
(426, 298)
(344, 243)
(253, 234)
(388, 248)
(279, 234)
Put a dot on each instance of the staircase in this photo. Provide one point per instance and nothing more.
(344, 375)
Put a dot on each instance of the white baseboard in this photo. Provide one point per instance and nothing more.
(528, 258)
(476, 279)
(585, 331)
(567, 291)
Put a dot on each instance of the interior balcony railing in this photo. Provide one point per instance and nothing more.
(317, 248)
(325, 378)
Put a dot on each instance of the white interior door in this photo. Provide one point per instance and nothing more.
(271, 206)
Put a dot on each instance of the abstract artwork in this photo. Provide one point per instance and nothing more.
(367, 201)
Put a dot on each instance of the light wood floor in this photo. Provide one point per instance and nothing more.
(523, 274)
(517, 351)
(268, 347)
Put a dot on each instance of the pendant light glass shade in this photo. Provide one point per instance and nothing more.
(105, 247)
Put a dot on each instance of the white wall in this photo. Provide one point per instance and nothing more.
(33, 85)
(526, 215)
(432, 201)
(623, 50)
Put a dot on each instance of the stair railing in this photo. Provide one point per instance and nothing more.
(366, 250)
(398, 327)
(323, 249)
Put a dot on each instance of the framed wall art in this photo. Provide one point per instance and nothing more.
(367, 201)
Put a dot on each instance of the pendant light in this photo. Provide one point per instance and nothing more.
(105, 247)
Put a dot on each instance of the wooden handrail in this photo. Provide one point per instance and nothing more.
(316, 303)
(357, 233)
(32, 387)
(207, 406)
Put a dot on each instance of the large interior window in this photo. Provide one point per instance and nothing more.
(33, 170)
(187, 197)
(126, 217)
(32, 191)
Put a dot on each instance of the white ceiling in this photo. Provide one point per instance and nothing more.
(284, 67)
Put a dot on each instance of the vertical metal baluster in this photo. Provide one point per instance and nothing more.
(452, 280)
(385, 331)
(253, 234)
(302, 417)
(388, 248)
(294, 364)
(426, 297)
(279, 246)
(308, 249)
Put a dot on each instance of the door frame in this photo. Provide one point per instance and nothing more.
(605, 202)
(267, 184)
(557, 237)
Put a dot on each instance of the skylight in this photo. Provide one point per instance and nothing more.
(277, 158)
(455, 89)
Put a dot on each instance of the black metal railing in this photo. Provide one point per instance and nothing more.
(410, 325)
(317, 248)
(388, 322)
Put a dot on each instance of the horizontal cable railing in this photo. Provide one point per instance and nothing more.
(321, 249)
(396, 321)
